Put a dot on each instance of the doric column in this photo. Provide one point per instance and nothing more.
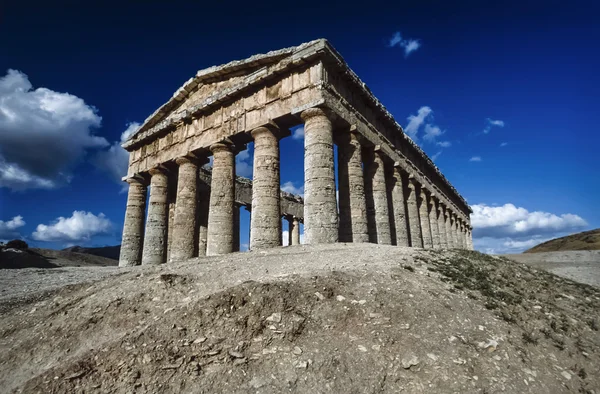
(155, 242)
(202, 220)
(442, 225)
(353, 209)
(399, 214)
(412, 209)
(133, 228)
(433, 221)
(295, 231)
(424, 216)
(448, 225)
(463, 236)
(470, 238)
(455, 231)
(377, 204)
(183, 244)
(266, 219)
(222, 197)
(320, 205)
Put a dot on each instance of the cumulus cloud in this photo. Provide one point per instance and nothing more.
(435, 156)
(444, 144)
(243, 163)
(298, 133)
(432, 132)
(43, 134)
(416, 121)
(115, 160)
(409, 45)
(512, 229)
(290, 188)
(475, 158)
(9, 228)
(489, 123)
(81, 226)
(509, 220)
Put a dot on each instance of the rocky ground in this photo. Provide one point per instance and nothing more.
(335, 318)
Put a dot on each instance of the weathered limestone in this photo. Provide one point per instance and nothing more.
(455, 231)
(424, 217)
(133, 228)
(433, 221)
(295, 231)
(320, 205)
(376, 197)
(442, 225)
(265, 227)
(448, 225)
(353, 210)
(470, 238)
(412, 209)
(155, 242)
(463, 239)
(222, 198)
(184, 224)
(399, 210)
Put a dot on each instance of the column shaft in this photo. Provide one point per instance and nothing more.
(265, 227)
(412, 208)
(424, 216)
(222, 197)
(202, 221)
(455, 231)
(353, 211)
(399, 208)
(133, 228)
(183, 245)
(320, 205)
(433, 221)
(448, 225)
(295, 232)
(377, 204)
(442, 226)
(155, 242)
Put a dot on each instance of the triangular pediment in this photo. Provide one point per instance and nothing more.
(213, 82)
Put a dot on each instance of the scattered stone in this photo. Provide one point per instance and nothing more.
(199, 340)
(275, 317)
(340, 298)
(410, 361)
(432, 356)
(362, 348)
(235, 354)
(297, 351)
(566, 375)
(320, 296)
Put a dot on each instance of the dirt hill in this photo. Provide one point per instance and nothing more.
(587, 240)
(110, 252)
(307, 319)
(48, 258)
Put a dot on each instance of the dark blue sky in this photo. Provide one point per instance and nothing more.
(532, 65)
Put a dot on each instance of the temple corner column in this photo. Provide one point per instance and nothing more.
(133, 228)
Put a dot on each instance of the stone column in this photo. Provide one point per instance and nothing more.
(133, 228)
(353, 209)
(463, 237)
(155, 242)
(266, 218)
(448, 225)
(433, 221)
(202, 213)
(470, 238)
(412, 208)
(320, 205)
(424, 216)
(455, 231)
(222, 197)
(398, 207)
(295, 231)
(442, 225)
(236, 226)
(377, 204)
(184, 224)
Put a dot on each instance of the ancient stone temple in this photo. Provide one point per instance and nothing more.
(390, 192)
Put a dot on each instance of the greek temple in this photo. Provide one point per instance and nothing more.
(390, 192)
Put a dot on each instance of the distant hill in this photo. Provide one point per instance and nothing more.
(48, 258)
(587, 240)
(110, 252)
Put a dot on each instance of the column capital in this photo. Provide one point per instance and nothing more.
(160, 169)
(315, 111)
(267, 128)
(222, 146)
(187, 159)
(136, 179)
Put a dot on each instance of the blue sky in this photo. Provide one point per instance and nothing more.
(503, 97)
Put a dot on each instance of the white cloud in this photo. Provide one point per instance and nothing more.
(502, 145)
(81, 226)
(432, 132)
(509, 220)
(409, 45)
(416, 121)
(475, 158)
(444, 144)
(8, 229)
(290, 188)
(298, 133)
(115, 160)
(43, 134)
(492, 123)
(435, 156)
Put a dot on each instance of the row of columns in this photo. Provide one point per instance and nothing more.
(374, 203)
